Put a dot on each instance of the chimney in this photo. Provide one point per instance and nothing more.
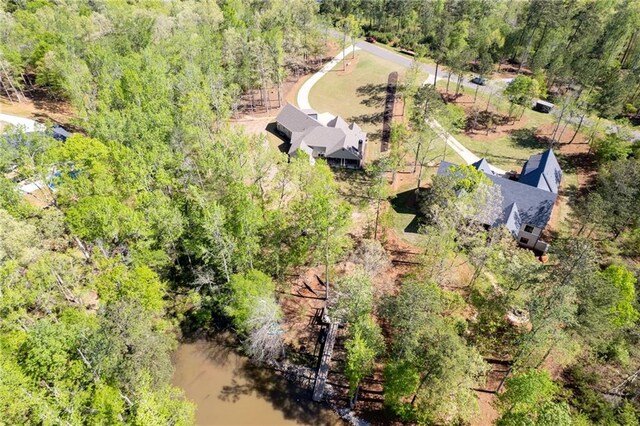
(360, 143)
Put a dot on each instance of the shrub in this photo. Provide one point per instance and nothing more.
(630, 109)
(610, 148)
(457, 117)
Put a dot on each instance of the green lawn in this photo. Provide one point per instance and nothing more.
(358, 95)
(506, 151)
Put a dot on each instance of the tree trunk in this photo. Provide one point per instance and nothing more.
(525, 54)
(353, 52)
(344, 46)
(573, 36)
(524, 31)
(555, 130)
(628, 49)
(460, 78)
(539, 44)
(375, 228)
(353, 401)
(415, 395)
(279, 94)
(475, 96)
(566, 123)
(577, 129)
(488, 101)
(415, 163)
(448, 80)
(435, 77)
(512, 105)
(504, 379)
(326, 270)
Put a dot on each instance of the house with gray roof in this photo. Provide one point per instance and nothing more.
(338, 142)
(528, 200)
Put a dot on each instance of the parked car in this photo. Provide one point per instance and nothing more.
(370, 39)
(480, 81)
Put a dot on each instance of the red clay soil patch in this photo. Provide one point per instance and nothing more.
(488, 413)
(508, 70)
(502, 126)
(40, 109)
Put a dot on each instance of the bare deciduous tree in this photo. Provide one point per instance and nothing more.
(372, 256)
(264, 342)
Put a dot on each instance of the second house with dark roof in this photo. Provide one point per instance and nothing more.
(527, 202)
(340, 143)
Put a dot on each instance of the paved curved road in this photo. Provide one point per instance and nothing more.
(468, 156)
(303, 94)
(302, 97)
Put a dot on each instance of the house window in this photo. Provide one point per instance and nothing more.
(528, 228)
(524, 240)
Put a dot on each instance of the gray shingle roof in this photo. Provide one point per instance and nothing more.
(296, 120)
(337, 138)
(511, 219)
(483, 166)
(521, 203)
(542, 171)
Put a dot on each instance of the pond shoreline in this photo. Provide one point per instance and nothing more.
(228, 389)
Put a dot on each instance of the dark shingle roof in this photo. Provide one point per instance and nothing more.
(532, 205)
(337, 138)
(511, 219)
(542, 171)
(483, 166)
(295, 120)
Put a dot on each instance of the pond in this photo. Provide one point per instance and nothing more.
(228, 390)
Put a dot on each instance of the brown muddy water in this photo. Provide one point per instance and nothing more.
(228, 390)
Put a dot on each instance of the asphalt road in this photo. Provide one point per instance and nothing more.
(491, 86)
(429, 69)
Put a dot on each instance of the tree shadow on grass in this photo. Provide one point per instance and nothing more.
(406, 203)
(374, 94)
(527, 138)
(374, 118)
(354, 185)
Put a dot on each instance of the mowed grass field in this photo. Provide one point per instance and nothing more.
(357, 94)
(507, 151)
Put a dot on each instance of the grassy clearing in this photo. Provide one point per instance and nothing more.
(507, 151)
(357, 94)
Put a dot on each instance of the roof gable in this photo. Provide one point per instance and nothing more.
(534, 205)
(511, 219)
(483, 166)
(337, 139)
(542, 171)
